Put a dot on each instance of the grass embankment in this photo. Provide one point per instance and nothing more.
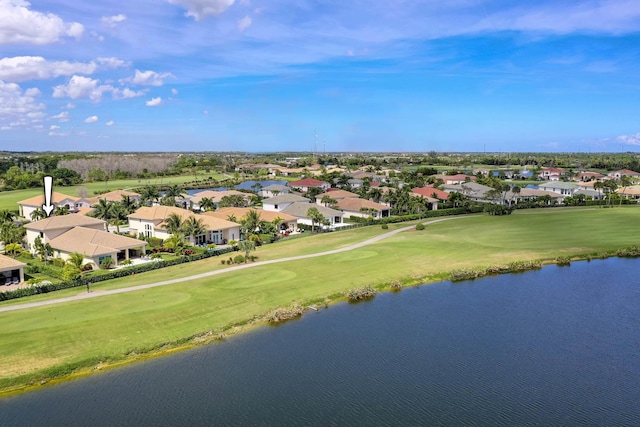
(41, 343)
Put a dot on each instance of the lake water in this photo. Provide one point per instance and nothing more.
(245, 185)
(558, 346)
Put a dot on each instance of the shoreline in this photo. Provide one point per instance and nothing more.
(36, 381)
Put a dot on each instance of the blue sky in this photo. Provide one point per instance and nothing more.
(258, 75)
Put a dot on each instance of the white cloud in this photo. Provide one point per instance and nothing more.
(54, 127)
(80, 87)
(69, 106)
(110, 123)
(148, 78)
(18, 108)
(174, 91)
(53, 133)
(20, 25)
(126, 93)
(244, 23)
(630, 139)
(154, 102)
(198, 9)
(21, 68)
(91, 119)
(113, 21)
(62, 117)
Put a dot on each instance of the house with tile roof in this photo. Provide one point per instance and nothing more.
(151, 222)
(551, 174)
(562, 188)
(281, 201)
(431, 192)
(336, 194)
(11, 271)
(305, 184)
(623, 172)
(274, 190)
(27, 206)
(288, 222)
(111, 196)
(300, 210)
(78, 233)
(459, 178)
(355, 206)
(215, 196)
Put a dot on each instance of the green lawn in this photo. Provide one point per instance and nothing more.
(111, 328)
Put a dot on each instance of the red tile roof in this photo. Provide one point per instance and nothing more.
(307, 182)
(428, 191)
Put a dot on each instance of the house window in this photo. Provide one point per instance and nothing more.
(275, 206)
(42, 234)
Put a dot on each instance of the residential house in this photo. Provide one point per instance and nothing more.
(623, 172)
(215, 196)
(300, 210)
(27, 206)
(335, 194)
(78, 233)
(150, 221)
(305, 184)
(11, 270)
(288, 222)
(588, 176)
(355, 206)
(562, 188)
(472, 190)
(431, 191)
(551, 174)
(459, 178)
(531, 194)
(281, 201)
(274, 190)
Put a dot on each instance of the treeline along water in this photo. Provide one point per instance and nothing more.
(558, 346)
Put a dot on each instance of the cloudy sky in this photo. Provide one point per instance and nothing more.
(365, 75)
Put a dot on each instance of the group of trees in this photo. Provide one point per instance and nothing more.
(11, 234)
(115, 213)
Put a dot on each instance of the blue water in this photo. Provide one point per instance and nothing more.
(246, 185)
(558, 346)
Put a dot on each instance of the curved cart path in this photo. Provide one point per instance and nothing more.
(97, 294)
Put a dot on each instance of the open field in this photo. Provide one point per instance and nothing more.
(9, 199)
(42, 342)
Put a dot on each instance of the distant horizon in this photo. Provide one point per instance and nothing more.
(360, 76)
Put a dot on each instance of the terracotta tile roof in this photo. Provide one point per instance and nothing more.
(113, 196)
(300, 210)
(161, 213)
(337, 194)
(63, 221)
(285, 198)
(355, 204)
(216, 196)
(307, 182)
(7, 263)
(39, 200)
(429, 191)
(93, 242)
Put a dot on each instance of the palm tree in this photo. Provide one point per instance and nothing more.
(246, 246)
(76, 259)
(61, 210)
(316, 217)
(130, 205)
(119, 217)
(149, 194)
(207, 204)
(38, 214)
(598, 185)
(6, 216)
(375, 194)
(233, 200)
(10, 232)
(251, 222)
(193, 227)
(625, 181)
(104, 210)
(174, 223)
(328, 201)
(173, 191)
(176, 242)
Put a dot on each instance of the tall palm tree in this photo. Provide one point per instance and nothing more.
(625, 181)
(104, 210)
(149, 194)
(76, 259)
(173, 191)
(176, 242)
(6, 215)
(174, 223)
(119, 215)
(38, 214)
(207, 204)
(251, 222)
(375, 194)
(61, 210)
(130, 205)
(193, 227)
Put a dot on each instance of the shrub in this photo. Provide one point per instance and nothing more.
(396, 286)
(126, 262)
(156, 256)
(223, 261)
(155, 242)
(87, 267)
(419, 226)
(364, 292)
(188, 252)
(71, 272)
(58, 262)
(562, 261)
(239, 259)
(281, 314)
(385, 227)
(107, 263)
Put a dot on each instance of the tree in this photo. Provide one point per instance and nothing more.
(316, 217)
(38, 214)
(61, 210)
(251, 222)
(375, 194)
(173, 191)
(76, 259)
(149, 194)
(246, 246)
(328, 201)
(13, 249)
(193, 227)
(176, 242)
(6, 216)
(10, 233)
(119, 217)
(104, 210)
(207, 204)
(598, 186)
(610, 187)
(174, 223)
(43, 250)
(625, 181)
(130, 205)
(233, 200)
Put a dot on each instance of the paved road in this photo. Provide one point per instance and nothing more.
(96, 294)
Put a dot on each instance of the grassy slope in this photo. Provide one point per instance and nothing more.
(108, 328)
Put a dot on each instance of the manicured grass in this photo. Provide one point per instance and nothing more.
(9, 199)
(113, 327)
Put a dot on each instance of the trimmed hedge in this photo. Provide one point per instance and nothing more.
(122, 272)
